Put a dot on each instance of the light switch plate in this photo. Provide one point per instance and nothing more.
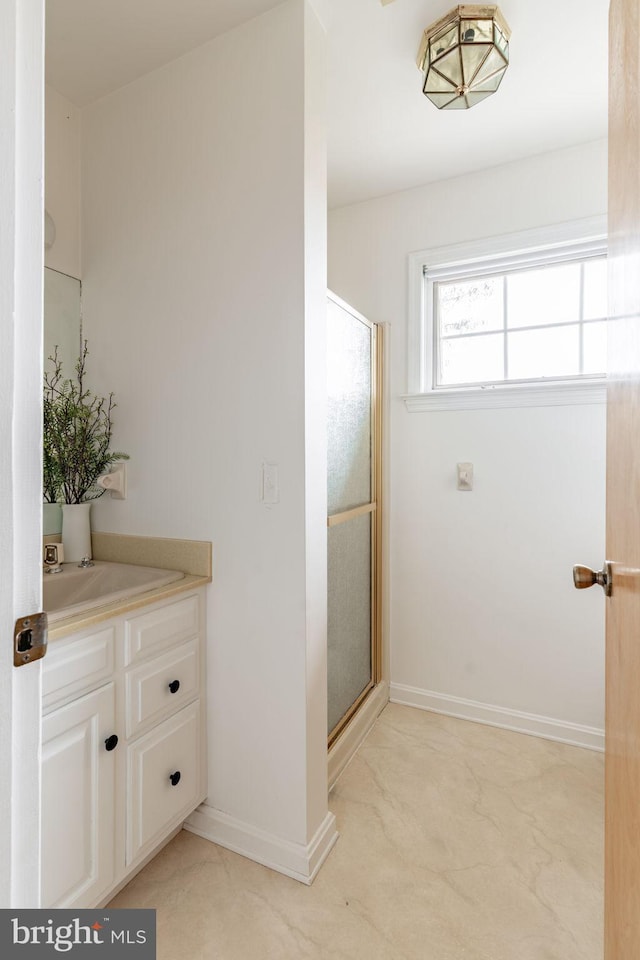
(465, 476)
(270, 483)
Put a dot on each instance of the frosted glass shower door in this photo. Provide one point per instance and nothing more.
(353, 506)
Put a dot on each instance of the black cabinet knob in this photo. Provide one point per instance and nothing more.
(175, 778)
(174, 686)
(111, 742)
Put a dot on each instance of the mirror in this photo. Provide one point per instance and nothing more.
(62, 318)
(62, 329)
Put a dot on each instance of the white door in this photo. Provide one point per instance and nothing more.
(21, 263)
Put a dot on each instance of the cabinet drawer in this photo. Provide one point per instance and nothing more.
(77, 664)
(161, 686)
(165, 626)
(156, 804)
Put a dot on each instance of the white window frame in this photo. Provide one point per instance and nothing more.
(553, 244)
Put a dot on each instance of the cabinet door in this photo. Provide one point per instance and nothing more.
(78, 786)
(163, 774)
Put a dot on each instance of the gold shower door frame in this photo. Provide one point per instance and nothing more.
(374, 509)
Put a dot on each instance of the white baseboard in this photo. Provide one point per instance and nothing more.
(294, 860)
(530, 723)
(345, 747)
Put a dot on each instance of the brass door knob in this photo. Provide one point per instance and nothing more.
(584, 577)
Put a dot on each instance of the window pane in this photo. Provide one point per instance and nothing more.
(538, 297)
(544, 353)
(468, 306)
(472, 359)
(595, 348)
(595, 289)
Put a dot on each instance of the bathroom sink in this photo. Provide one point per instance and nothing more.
(76, 589)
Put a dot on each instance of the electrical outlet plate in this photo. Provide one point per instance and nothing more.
(117, 490)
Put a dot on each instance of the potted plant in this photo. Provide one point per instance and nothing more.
(77, 427)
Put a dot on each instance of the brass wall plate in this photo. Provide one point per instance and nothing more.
(30, 639)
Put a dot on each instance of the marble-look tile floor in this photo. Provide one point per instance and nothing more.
(457, 842)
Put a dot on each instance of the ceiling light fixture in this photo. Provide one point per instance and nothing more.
(464, 56)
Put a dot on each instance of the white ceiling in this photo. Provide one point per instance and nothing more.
(384, 135)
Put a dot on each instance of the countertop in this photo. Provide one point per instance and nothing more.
(88, 618)
(193, 557)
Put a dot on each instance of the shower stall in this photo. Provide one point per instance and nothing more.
(354, 524)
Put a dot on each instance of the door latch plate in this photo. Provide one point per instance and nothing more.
(30, 639)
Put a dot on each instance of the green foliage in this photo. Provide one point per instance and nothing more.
(77, 434)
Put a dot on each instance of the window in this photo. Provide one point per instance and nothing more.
(520, 322)
(529, 324)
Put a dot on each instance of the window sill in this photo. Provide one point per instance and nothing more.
(510, 395)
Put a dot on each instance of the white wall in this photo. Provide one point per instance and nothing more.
(203, 302)
(62, 181)
(482, 605)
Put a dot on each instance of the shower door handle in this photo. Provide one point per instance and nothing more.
(584, 577)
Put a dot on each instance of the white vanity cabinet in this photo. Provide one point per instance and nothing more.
(123, 746)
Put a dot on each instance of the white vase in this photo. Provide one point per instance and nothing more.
(51, 519)
(76, 531)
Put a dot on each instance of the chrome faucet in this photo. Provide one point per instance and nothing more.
(86, 562)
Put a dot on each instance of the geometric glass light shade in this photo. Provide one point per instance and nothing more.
(464, 56)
